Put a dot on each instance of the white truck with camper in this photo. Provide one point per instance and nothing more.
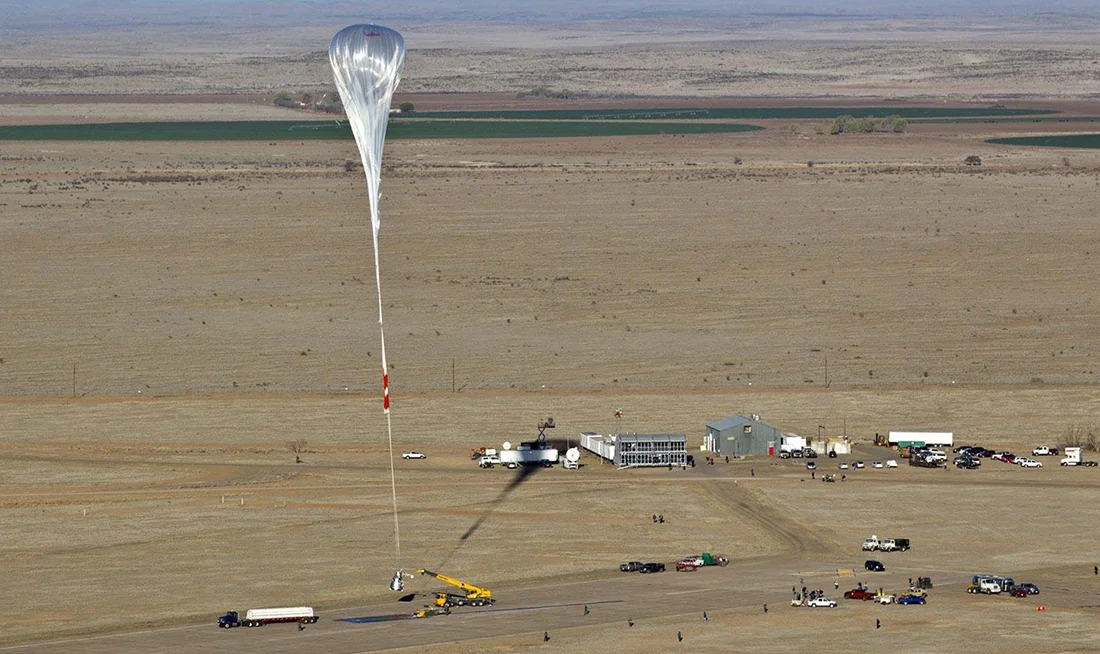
(1073, 458)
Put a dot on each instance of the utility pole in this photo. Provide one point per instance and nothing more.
(826, 370)
(74, 380)
(452, 374)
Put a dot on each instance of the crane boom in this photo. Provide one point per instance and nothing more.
(472, 591)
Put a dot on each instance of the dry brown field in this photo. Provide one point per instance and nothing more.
(175, 314)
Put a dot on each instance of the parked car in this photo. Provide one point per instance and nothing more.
(876, 464)
(632, 566)
(810, 453)
(810, 465)
(860, 464)
(832, 454)
(1008, 458)
(885, 599)
(891, 464)
(414, 455)
(843, 466)
(912, 599)
(652, 567)
(1030, 463)
(962, 449)
(686, 566)
(874, 566)
(822, 602)
(796, 454)
(967, 463)
(859, 594)
(1042, 450)
(784, 454)
(1031, 589)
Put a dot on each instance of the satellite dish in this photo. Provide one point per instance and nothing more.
(572, 455)
(507, 445)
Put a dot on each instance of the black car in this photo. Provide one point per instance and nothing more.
(874, 566)
(652, 567)
(1030, 589)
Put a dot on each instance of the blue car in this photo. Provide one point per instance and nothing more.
(911, 599)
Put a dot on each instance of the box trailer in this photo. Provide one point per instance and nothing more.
(921, 438)
(528, 454)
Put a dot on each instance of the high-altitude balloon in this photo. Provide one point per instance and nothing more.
(366, 62)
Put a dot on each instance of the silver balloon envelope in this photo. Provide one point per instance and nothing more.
(366, 63)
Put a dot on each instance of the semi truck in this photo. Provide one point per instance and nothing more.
(260, 617)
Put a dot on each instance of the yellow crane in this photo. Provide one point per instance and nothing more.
(475, 595)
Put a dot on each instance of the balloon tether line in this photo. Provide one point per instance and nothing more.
(386, 409)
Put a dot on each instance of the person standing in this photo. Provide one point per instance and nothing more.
(765, 609)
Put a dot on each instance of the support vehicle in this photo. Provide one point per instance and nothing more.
(894, 545)
(871, 544)
(632, 566)
(821, 602)
(488, 461)
(414, 455)
(859, 594)
(912, 599)
(473, 595)
(650, 568)
(706, 558)
(873, 566)
(260, 617)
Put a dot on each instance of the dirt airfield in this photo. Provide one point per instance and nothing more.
(177, 315)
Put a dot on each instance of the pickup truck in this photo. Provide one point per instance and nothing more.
(821, 602)
(652, 567)
(632, 566)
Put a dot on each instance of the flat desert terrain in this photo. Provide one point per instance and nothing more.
(184, 321)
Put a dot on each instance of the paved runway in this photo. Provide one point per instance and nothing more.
(523, 613)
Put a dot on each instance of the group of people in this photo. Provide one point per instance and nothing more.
(658, 519)
(807, 594)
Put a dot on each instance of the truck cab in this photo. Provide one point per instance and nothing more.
(871, 544)
(229, 620)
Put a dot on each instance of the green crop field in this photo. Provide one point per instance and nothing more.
(745, 113)
(1017, 119)
(1059, 141)
(301, 130)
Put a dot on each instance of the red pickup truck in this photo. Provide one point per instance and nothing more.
(859, 594)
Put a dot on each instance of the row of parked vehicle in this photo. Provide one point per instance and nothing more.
(859, 465)
(970, 456)
(686, 564)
